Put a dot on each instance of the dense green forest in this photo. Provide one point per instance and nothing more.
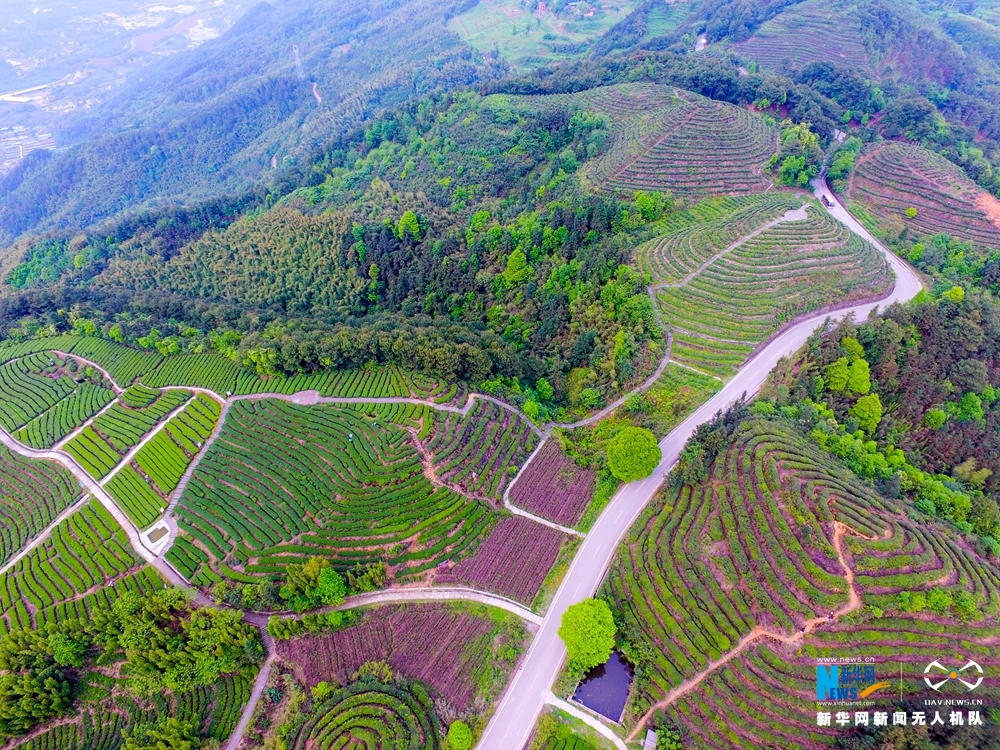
(163, 643)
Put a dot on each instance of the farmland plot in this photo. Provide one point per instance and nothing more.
(32, 494)
(142, 489)
(140, 371)
(512, 561)
(721, 299)
(892, 177)
(100, 446)
(123, 363)
(84, 565)
(381, 383)
(286, 482)
(813, 31)
(663, 138)
(124, 427)
(372, 715)
(44, 397)
(481, 452)
(446, 648)
(755, 547)
(554, 486)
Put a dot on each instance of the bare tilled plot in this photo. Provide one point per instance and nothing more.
(553, 486)
(443, 647)
(892, 177)
(733, 586)
(722, 297)
(512, 561)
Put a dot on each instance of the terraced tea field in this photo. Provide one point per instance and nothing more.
(891, 177)
(480, 453)
(44, 397)
(32, 495)
(667, 139)
(750, 564)
(143, 488)
(372, 715)
(813, 31)
(82, 566)
(725, 286)
(285, 482)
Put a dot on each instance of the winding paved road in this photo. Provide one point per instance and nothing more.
(528, 691)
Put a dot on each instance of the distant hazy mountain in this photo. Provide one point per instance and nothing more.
(286, 78)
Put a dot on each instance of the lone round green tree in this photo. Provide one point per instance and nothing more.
(588, 630)
(459, 736)
(633, 454)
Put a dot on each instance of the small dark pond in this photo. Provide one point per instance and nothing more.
(605, 688)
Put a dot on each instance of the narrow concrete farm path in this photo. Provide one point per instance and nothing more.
(45, 533)
(440, 594)
(840, 530)
(646, 385)
(114, 386)
(527, 693)
(596, 724)
(260, 683)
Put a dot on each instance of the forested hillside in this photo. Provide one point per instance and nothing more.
(284, 81)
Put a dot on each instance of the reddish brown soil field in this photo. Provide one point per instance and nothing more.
(553, 486)
(513, 560)
(427, 642)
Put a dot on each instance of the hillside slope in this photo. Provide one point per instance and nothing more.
(284, 80)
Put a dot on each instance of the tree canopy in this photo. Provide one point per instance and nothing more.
(459, 736)
(313, 583)
(588, 630)
(633, 454)
(164, 642)
(171, 734)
